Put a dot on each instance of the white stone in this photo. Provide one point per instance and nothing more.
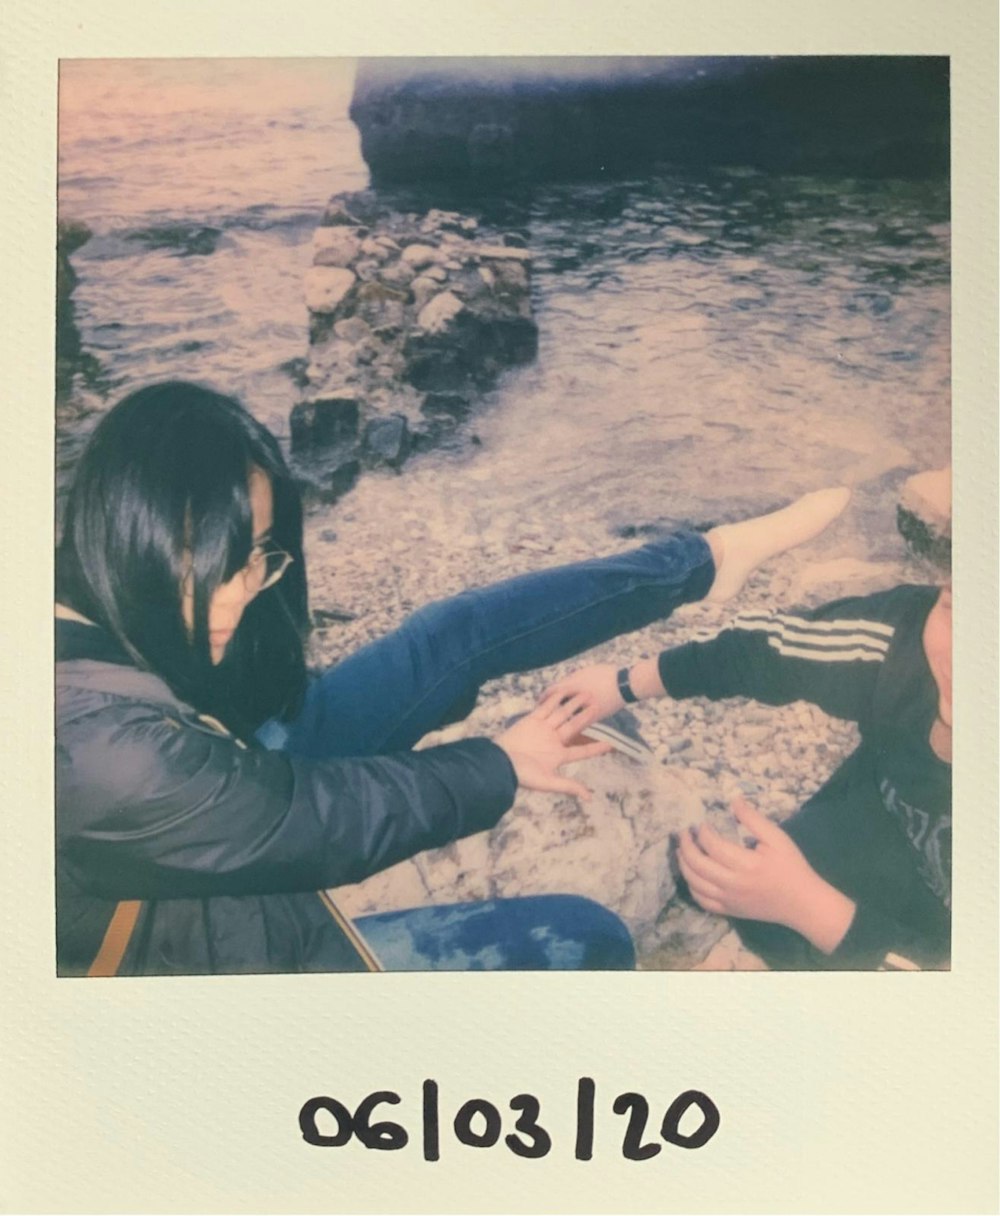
(613, 849)
(424, 289)
(440, 312)
(326, 287)
(487, 275)
(503, 253)
(337, 246)
(374, 248)
(419, 256)
(435, 218)
(352, 329)
(928, 496)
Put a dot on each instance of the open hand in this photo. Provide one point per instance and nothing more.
(771, 882)
(596, 687)
(539, 746)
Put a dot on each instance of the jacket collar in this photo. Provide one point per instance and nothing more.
(79, 639)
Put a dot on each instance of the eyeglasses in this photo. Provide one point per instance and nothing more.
(264, 569)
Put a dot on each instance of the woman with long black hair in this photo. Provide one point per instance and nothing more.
(209, 791)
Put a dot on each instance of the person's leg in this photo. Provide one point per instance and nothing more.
(428, 672)
(533, 933)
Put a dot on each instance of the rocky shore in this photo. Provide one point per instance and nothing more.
(413, 313)
(619, 847)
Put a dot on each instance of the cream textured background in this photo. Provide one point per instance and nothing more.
(873, 1093)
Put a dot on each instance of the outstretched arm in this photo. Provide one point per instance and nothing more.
(830, 656)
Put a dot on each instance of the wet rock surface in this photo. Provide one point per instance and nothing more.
(413, 313)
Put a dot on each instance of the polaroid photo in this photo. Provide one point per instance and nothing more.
(501, 507)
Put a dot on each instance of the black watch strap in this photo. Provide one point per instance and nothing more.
(625, 688)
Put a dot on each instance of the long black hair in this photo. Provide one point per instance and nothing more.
(161, 495)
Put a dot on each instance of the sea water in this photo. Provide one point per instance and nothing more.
(709, 340)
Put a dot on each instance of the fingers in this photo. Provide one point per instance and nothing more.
(569, 717)
(707, 895)
(558, 710)
(754, 821)
(587, 716)
(566, 785)
(553, 690)
(586, 751)
(724, 851)
(702, 866)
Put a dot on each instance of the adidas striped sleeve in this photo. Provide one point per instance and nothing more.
(829, 656)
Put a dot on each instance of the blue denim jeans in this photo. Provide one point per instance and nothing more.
(428, 673)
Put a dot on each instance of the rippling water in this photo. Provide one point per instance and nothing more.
(706, 340)
(153, 152)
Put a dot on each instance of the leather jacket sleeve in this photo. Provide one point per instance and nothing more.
(149, 807)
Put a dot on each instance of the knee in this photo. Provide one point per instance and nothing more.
(446, 628)
(600, 934)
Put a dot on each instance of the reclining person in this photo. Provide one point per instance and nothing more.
(860, 876)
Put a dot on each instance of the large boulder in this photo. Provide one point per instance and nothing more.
(321, 423)
(619, 849)
(497, 120)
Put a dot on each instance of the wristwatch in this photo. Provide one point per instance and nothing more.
(625, 688)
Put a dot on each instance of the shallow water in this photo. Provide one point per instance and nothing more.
(708, 343)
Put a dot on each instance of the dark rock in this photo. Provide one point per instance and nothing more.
(422, 314)
(342, 479)
(70, 358)
(498, 121)
(71, 235)
(320, 327)
(184, 240)
(923, 540)
(332, 616)
(380, 304)
(438, 366)
(295, 369)
(322, 423)
(324, 480)
(387, 441)
(923, 516)
(469, 353)
(516, 339)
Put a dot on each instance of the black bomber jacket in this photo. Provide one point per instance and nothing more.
(183, 850)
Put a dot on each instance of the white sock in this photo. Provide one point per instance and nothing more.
(747, 544)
